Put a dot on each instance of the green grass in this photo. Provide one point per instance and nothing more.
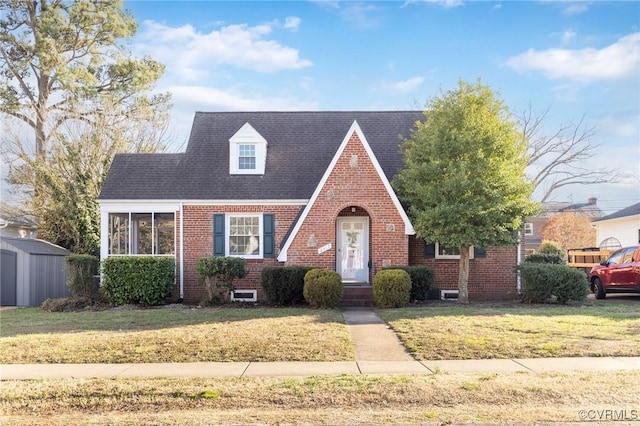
(28, 335)
(448, 331)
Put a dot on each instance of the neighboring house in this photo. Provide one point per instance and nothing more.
(283, 188)
(16, 224)
(533, 225)
(619, 229)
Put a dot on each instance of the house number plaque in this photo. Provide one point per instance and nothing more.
(324, 248)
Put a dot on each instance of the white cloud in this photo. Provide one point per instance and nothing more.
(568, 36)
(404, 86)
(576, 9)
(192, 54)
(615, 61)
(210, 98)
(445, 4)
(292, 23)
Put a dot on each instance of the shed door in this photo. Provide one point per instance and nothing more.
(8, 278)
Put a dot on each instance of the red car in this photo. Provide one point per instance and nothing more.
(620, 273)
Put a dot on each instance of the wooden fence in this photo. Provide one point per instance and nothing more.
(585, 258)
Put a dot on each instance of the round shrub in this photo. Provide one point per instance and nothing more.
(543, 282)
(322, 288)
(391, 288)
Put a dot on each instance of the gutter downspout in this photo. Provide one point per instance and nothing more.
(181, 251)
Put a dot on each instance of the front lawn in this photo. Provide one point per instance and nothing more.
(510, 398)
(29, 335)
(449, 331)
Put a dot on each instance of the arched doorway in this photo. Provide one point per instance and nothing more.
(352, 240)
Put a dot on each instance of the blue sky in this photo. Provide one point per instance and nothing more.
(575, 58)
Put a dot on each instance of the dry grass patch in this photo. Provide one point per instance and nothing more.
(174, 335)
(505, 398)
(478, 331)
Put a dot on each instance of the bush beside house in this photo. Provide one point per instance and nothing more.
(322, 288)
(81, 270)
(284, 285)
(141, 280)
(391, 288)
(544, 282)
(217, 274)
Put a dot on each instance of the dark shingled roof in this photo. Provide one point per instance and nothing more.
(627, 211)
(300, 148)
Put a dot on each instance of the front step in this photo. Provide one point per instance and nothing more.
(361, 295)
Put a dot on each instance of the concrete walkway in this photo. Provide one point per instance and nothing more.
(378, 352)
(372, 337)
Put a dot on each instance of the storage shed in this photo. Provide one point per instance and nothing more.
(31, 271)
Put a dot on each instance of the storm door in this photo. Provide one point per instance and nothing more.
(352, 257)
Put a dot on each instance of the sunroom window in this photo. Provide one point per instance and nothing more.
(141, 233)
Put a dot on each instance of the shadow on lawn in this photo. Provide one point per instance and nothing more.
(23, 321)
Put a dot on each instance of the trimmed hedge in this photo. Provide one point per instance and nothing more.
(322, 288)
(391, 288)
(139, 280)
(422, 279)
(543, 282)
(284, 285)
(81, 269)
(545, 258)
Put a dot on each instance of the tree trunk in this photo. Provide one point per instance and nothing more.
(463, 277)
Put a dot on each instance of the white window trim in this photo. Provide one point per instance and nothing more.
(247, 135)
(227, 235)
(528, 228)
(452, 256)
(133, 234)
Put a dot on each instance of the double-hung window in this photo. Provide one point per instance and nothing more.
(246, 157)
(528, 228)
(247, 235)
(244, 235)
(446, 252)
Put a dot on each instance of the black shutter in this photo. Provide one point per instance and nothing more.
(429, 250)
(218, 235)
(269, 238)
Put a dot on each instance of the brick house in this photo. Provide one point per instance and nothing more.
(283, 188)
(534, 224)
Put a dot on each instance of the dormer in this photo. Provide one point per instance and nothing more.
(247, 152)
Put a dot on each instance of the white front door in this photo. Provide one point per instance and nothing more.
(353, 249)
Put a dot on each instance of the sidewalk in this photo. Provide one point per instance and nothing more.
(378, 352)
(302, 369)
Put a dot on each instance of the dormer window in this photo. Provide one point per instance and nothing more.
(246, 157)
(247, 152)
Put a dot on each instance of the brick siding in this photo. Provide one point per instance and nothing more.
(353, 188)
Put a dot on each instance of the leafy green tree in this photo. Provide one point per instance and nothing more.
(68, 80)
(464, 176)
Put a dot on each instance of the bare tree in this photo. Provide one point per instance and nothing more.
(79, 157)
(557, 159)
